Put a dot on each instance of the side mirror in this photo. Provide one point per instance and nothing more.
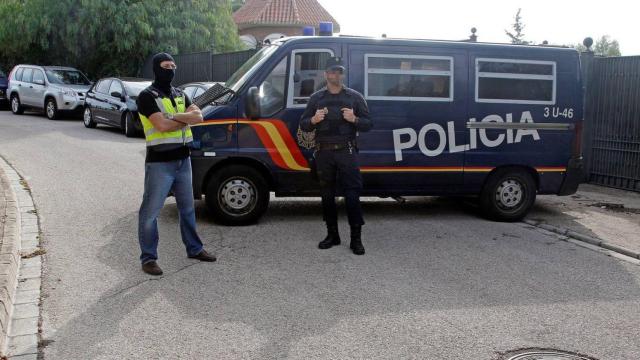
(252, 103)
(118, 95)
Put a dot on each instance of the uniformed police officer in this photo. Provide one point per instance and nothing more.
(337, 114)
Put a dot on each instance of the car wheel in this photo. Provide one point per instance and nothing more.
(51, 109)
(508, 195)
(87, 118)
(16, 107)
(237, 195)
(128, 126)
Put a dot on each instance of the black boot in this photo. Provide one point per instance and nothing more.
(332, 239)
(356, 241)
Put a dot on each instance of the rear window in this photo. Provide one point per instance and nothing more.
(67, 77)
(408, 77)
(2, 74)
(515, 81)
(18, 74)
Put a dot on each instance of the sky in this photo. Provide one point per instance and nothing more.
(559, 22)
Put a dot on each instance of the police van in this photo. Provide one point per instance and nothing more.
(498, 122)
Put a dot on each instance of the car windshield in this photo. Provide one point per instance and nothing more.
(135, 87)
(249, 67)
(67, 77)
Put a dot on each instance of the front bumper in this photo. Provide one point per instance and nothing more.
(66, 102)
(573, 177)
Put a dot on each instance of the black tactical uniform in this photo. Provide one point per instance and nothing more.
(336, 156)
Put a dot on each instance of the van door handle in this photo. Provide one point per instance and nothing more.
(30, 86)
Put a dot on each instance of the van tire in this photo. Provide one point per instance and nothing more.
(508, 195)
(128, 125)
(51, 109)
(87, 118)
(237, 195)
(16, 106)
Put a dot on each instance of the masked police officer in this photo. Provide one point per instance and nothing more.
(166, 113)
(337, 114)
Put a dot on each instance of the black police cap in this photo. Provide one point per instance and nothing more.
(334, 63)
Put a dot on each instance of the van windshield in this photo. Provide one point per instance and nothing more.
(67, 77)
(245, 71)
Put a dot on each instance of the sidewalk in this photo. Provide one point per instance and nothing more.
(608, 214)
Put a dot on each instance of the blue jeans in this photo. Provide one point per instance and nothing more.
(159, 179)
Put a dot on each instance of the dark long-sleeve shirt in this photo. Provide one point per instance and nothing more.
(334, 129)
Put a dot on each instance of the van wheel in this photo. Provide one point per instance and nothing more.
(16, 107)
(508, 195)
(237, 195)
(87, 118)
(51, 109)
(128, 126)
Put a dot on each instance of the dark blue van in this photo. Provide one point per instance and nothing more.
(500, 122)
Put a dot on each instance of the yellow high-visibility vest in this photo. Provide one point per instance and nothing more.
(154, 137)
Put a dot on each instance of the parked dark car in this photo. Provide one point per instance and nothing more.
(4, 84)
(112, 101)
(195, 89)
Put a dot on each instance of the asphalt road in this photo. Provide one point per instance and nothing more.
(438, 282)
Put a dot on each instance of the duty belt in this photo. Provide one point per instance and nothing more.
(335, 147)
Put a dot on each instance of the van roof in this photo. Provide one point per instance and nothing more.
(418, 42)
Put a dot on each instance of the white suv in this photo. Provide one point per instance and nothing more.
(49, 88)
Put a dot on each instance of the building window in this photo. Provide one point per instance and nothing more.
(307, 74)
(515, 81)
(408, 77)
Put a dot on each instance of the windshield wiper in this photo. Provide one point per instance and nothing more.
(216, 92)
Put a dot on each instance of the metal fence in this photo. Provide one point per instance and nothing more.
(612, 114)
(203, 66)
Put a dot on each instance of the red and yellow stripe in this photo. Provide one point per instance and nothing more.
(285, 153)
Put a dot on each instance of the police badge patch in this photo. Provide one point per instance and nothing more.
(306, 139)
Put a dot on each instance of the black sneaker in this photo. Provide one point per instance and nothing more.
(204, 256)
(152, 268)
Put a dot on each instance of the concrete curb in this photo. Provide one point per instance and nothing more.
(584, 238)
(22, 299)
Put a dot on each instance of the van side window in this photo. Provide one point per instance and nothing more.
(26, 75)
(272, 90)
(18, 75)
(515, 81)
(307, 74)
(408, 77)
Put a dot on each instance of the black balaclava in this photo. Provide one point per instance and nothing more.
(163, 77)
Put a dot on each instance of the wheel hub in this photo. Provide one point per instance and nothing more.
(87, 116)
(14, 104)
(238, 194)
(509, 193)
(50, 109)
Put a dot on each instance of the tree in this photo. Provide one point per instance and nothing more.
(604, 46)
(517, 36)
(111, 37)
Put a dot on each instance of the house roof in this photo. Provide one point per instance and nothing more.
(283, 12)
